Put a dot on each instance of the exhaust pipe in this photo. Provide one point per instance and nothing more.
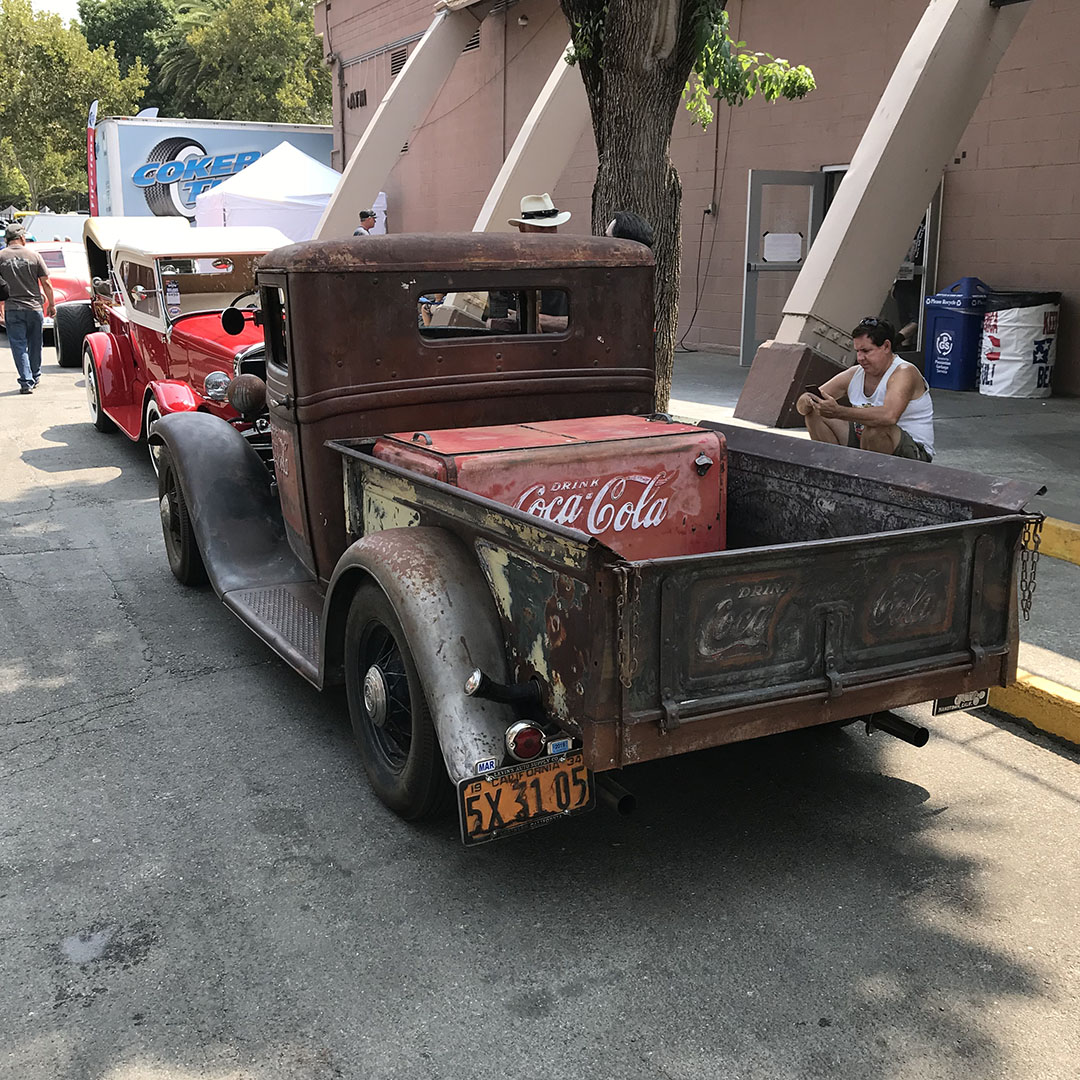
(893, 725)
(525, 695)
(613, 794)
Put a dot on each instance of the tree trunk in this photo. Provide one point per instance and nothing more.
(634, 76)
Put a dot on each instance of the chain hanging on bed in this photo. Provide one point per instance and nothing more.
(1029, 562)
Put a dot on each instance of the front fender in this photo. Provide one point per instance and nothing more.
(115, 369)
(444, 605)
(173, 396)
(234, 512)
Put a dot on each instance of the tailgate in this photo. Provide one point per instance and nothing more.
(763, 625)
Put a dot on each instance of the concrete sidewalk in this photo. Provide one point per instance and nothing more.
(1029, 440)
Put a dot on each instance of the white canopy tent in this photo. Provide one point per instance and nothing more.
(285, 188)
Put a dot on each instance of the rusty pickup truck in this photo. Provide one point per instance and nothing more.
(526, 578)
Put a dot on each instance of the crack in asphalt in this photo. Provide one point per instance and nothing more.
(50, 503)
(92, 710)
(43, 551)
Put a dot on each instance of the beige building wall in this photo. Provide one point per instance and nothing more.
(1011, 211)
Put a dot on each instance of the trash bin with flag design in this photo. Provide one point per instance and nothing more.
(1019, 344)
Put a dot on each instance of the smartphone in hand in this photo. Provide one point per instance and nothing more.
(814, 389)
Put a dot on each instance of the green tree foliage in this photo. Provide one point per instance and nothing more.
(13, 189)
(179, 63)
(133, 28)
(247, 60)
(725, 72)
(50, 78)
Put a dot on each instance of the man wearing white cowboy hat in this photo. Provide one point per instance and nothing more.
(539, 214)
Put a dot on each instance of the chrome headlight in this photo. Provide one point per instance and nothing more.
(216, 385)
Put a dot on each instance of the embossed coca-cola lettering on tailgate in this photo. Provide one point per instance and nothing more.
(646, 488)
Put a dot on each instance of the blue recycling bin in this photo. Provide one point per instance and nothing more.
(953, 332)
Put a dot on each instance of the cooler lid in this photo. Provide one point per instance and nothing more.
(604, 428)
(477, 440)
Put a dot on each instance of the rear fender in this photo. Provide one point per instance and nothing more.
(234, 512)
(445, 607)
(115, 366)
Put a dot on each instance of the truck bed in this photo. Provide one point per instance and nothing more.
(852, 583)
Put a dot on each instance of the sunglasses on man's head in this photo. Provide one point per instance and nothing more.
(869, 321)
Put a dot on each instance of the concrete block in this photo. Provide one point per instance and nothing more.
(776, 379)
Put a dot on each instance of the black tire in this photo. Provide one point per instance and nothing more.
(164, 199)
(180, 545)
(93, 397)
(390, 717)
(71, 324)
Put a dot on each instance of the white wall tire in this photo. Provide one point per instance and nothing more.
(152, 413)
(93, 396)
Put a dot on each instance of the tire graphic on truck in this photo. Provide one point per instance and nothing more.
(166, 200)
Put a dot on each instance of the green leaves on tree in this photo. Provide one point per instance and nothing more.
(51, 76)
(724, 71)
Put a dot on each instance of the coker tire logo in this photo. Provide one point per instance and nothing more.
(166, 200)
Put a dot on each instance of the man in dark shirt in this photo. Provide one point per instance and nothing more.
(26, 277)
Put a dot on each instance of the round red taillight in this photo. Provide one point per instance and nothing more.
(524, 741)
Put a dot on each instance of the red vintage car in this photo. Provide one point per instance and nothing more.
(77, 318)
(69, 274)
(163, 350)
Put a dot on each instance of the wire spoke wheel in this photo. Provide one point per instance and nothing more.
(389, 712)
(387, 705)
(181, 547)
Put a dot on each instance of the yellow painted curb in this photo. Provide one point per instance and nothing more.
(1060, 540)
(1047, 705)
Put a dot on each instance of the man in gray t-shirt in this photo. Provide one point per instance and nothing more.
(25, 276)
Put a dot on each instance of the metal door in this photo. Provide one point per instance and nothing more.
(779, 231)
(284, 430)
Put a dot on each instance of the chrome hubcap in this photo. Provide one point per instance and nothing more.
(166, 511)
(375, 695)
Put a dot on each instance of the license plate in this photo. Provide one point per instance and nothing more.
(523, 796)
(971, 699)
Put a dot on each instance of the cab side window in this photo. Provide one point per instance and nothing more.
(140, 285)
(276, 322)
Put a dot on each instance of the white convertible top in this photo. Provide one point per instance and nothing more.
(105, 232)
(203, 242)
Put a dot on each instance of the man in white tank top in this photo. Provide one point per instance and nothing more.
(890, 410)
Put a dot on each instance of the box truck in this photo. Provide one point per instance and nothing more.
(149, 165)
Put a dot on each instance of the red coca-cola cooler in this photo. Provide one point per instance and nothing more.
(646, 487)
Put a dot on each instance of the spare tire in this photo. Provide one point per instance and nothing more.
(165, 199)
(71, 324)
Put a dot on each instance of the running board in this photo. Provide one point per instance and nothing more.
(288, 618)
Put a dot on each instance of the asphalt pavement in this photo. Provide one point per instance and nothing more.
(197, 884)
